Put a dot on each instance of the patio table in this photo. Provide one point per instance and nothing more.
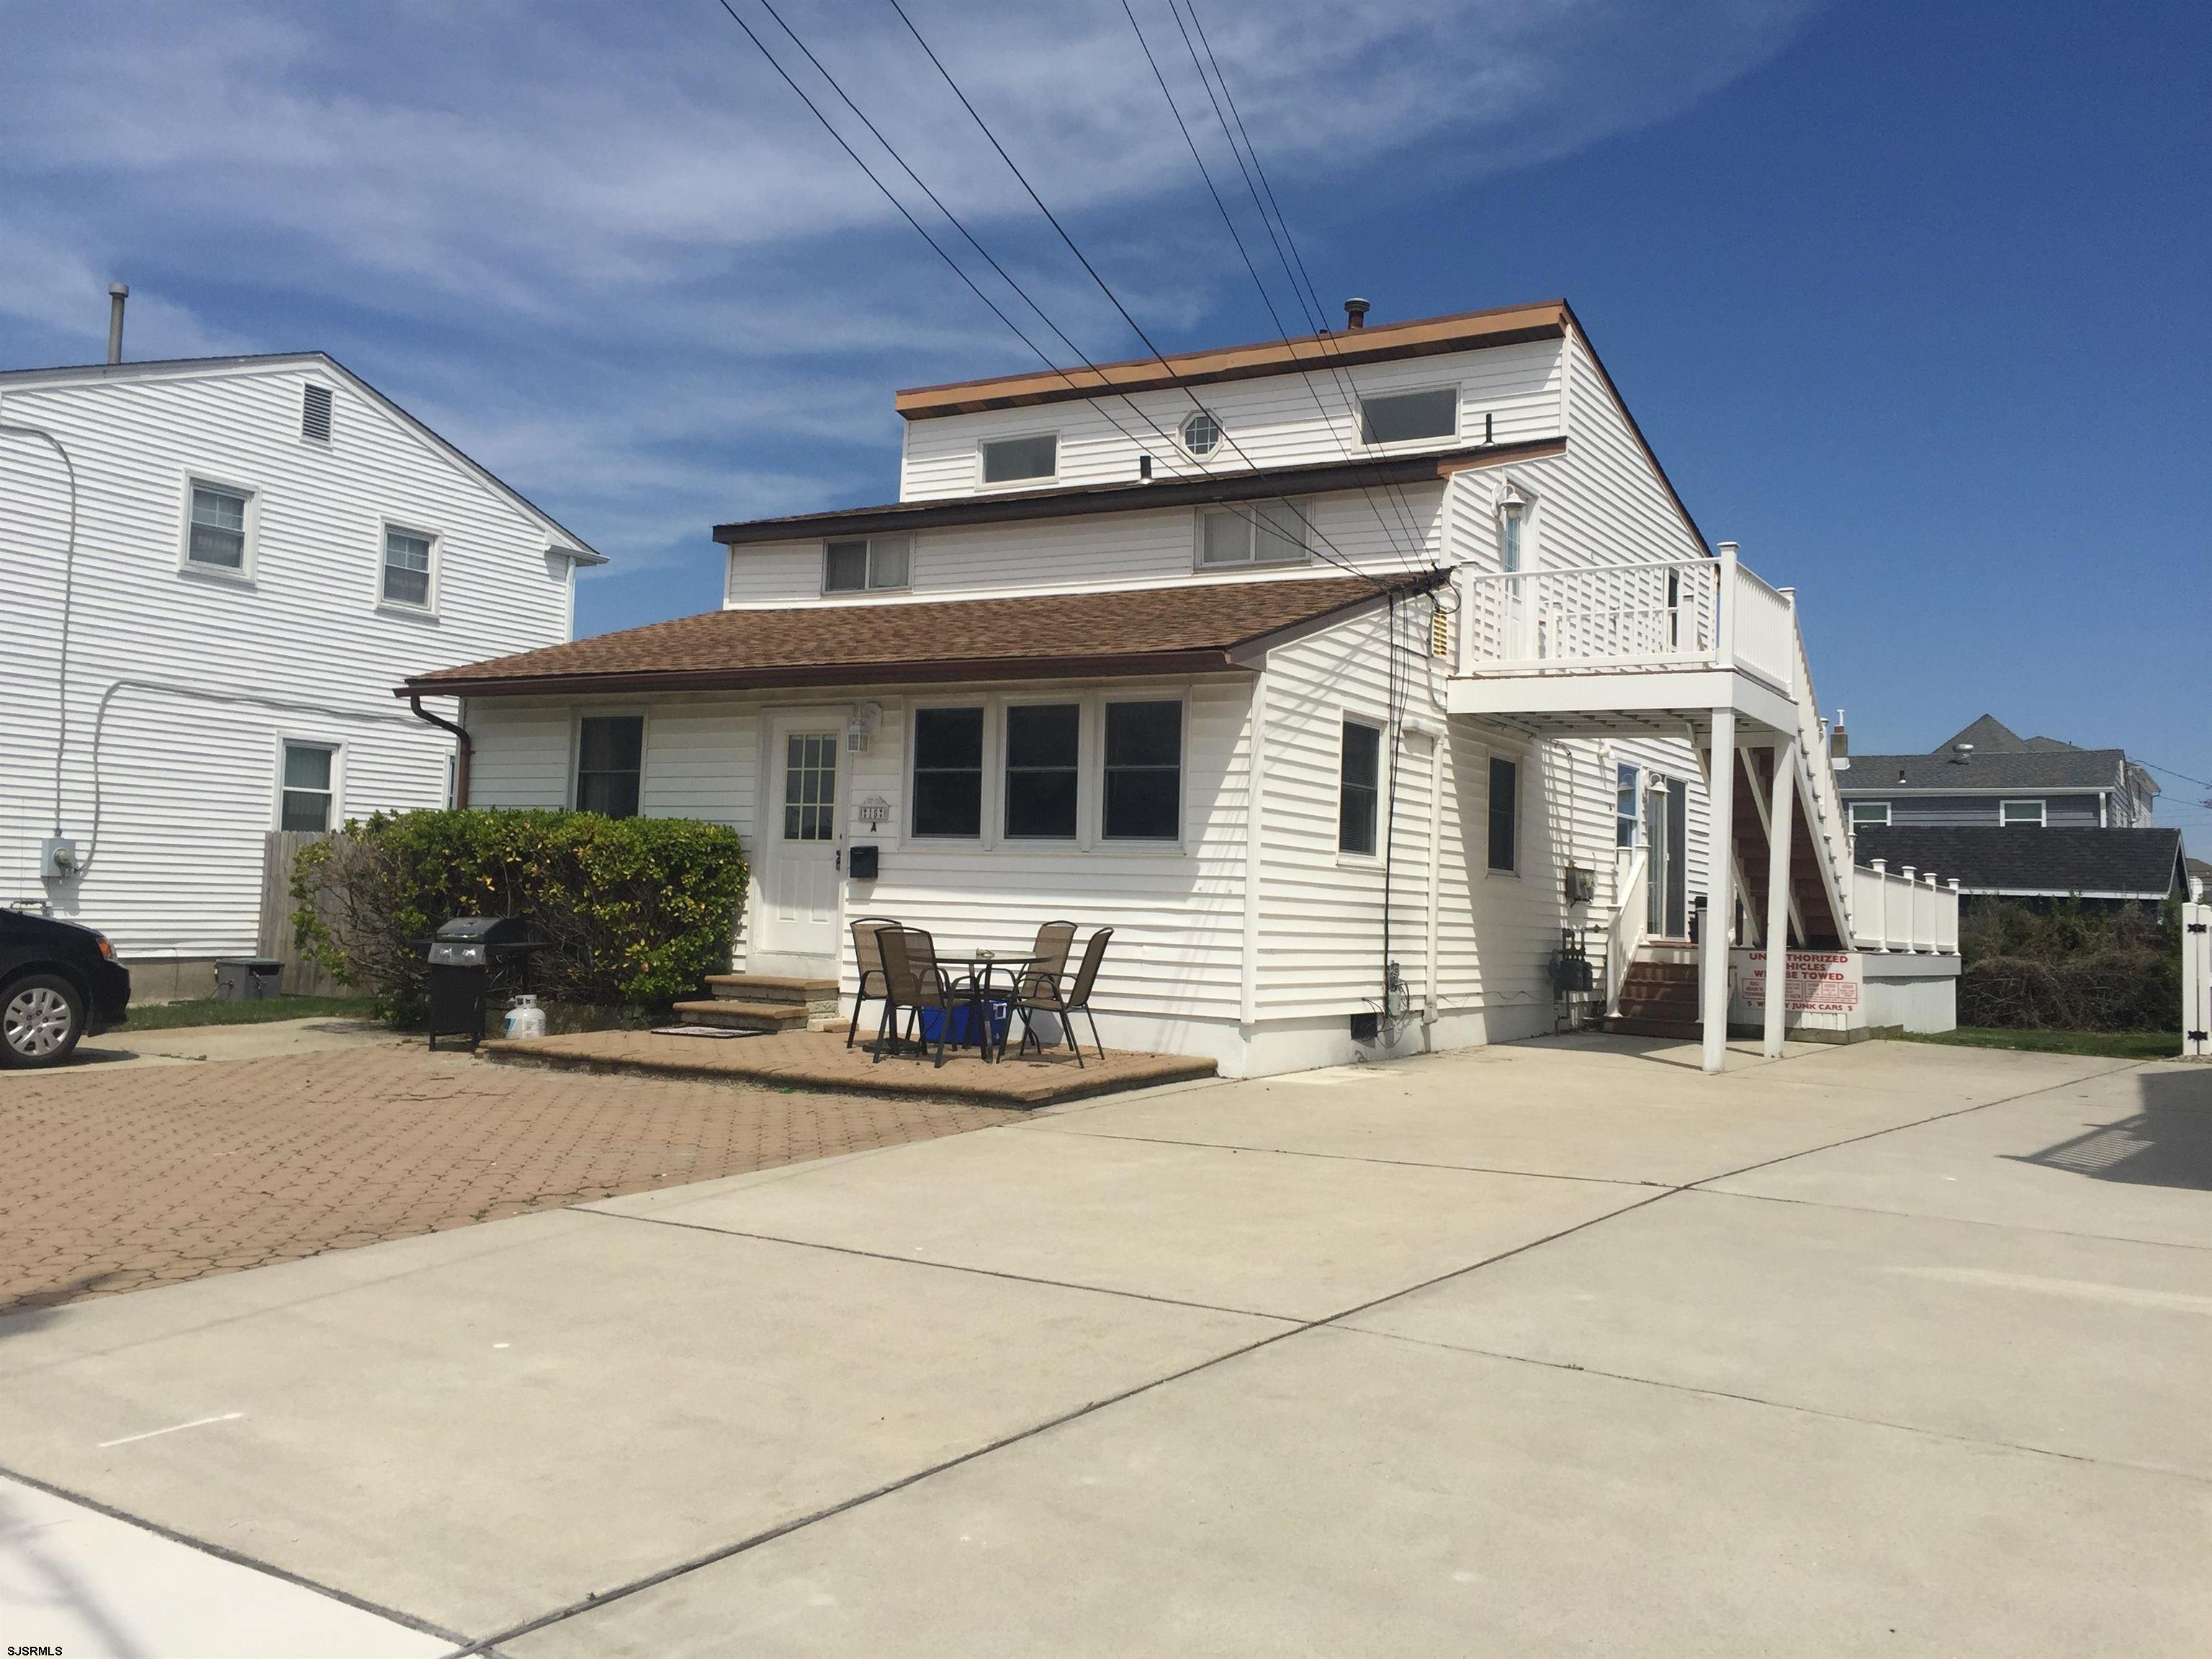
(981, 965)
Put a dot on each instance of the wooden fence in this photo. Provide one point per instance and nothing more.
(302, 977)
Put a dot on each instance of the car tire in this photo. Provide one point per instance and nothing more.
(41, 1018)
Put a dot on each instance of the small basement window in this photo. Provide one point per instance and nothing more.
(1504, 815)
(1359, 787)
(1869, 814)
(1041, 770)
(2015, 812)
(406, 568)
(1006, 460)
(315, 413)
(872, 561)
(308, 793)
(1406, 416)
(217, 537)
(609, 762)
(948, 772)
(1264, 532)
(1144, 771)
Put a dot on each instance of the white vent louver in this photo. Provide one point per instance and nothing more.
(315, 413)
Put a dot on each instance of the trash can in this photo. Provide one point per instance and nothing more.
(247, 979)
(467, 954)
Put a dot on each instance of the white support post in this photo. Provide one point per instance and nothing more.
(1720, 902)
(1880, 868)
(1778, 828)
(1724, 615)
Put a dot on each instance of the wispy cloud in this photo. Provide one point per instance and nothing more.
(605, 248)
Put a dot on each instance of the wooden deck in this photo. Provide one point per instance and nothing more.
(820, 1061)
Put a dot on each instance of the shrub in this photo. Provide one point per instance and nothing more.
(2067, 967)
(633, 911)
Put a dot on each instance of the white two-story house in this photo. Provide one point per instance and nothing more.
(211, 572)
(1348, 678)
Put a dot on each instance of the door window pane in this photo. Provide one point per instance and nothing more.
(1008, 459)
(1041, 770)
(610, 757)
(1358, 787)
(218, 535)
(810, 785)
(1409, 415)
(307, 794)
(1504, 814)
(1144, 771)
(406, 568)
(948, 772)
(1626, 796)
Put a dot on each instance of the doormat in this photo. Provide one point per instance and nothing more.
(702, 1032)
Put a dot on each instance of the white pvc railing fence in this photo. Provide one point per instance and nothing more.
(1903, 910)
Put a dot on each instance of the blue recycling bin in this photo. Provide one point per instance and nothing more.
(959, 1023)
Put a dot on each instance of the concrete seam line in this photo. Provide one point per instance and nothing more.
(236, 1558)
(714, 1558)
(948, 1266)
(1782, 1406)
(1948, 1220)
(1358, 1157)
(1897, 1128)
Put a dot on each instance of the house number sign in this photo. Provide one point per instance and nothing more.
(874, 811)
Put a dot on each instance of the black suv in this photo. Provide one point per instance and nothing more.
(58, 981)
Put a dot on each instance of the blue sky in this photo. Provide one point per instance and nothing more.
(1910, 298)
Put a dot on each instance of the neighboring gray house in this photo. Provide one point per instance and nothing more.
(1988, 776)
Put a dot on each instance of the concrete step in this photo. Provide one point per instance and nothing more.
(817, 995)
(743, 1016)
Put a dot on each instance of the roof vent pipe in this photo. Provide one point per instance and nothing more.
(1355, 313)
(117, 293)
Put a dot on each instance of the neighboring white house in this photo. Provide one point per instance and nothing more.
(1341, 677)
(212, 572)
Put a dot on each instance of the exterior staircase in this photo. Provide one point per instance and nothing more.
(1659, 994)
(764, 1002)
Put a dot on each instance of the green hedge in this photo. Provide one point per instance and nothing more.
(633, 911)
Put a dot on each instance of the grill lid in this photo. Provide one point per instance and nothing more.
(484, 930)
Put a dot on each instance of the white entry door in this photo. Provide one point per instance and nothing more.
(802, 833)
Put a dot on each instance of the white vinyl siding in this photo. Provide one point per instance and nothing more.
(189, 765)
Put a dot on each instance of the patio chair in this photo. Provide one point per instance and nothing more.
(870, 957)
(1042, 996)
(1048, 955)
(914, 982)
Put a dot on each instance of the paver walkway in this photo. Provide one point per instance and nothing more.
(111, 1182)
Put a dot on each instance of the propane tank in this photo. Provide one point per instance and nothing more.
(525, 1018)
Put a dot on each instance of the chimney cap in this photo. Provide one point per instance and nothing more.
(119, 290)
(1355, 313)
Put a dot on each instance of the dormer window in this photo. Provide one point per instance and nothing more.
(1408, 416)
(866, 563)
(1202, 434)
(1010, 460)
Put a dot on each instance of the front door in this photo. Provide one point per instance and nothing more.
(803, 828)
(1667, 834)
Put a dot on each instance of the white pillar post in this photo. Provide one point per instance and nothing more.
(1720, 904)
(1777, 890)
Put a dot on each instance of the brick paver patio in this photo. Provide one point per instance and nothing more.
(118, 1181)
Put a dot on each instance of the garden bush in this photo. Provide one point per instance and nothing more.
(2067, 967)
(634, 912)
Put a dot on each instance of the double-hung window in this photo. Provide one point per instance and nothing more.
(1504, 815)
(309, 789)
(1262, 532)
(217, 535)
(406, 568)
(1359, 787)
(1869, 814)
(1626, 795)
(866, 563)
(1144, 772)
(1041, 761)
(1010, 460)
(1406, 416)
(2015, 813)
(948, 772)
(609, 764)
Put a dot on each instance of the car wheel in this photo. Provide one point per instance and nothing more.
(41, 1018)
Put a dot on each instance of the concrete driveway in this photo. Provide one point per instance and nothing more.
(1549, 1348)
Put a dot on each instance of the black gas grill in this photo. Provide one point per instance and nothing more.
(468, 955)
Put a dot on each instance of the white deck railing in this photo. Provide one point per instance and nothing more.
(1903, 910)
(1651, 614)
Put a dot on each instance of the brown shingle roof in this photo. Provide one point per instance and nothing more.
(1201, 627)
